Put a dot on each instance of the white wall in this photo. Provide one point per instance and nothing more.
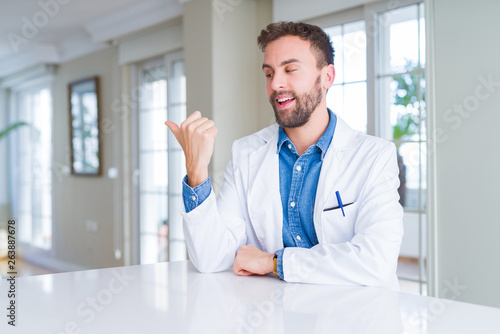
(148, 45)
(238, 78)
(77, 199)
(467, 156)
(223, 71)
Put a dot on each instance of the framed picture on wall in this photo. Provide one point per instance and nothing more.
(84, 127)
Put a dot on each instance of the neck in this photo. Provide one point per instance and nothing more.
(309, 133)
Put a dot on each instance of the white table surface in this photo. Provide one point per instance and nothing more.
(175, 298)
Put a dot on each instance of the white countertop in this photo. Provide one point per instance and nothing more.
(175, 298)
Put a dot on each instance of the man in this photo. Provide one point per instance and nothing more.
(308, 198)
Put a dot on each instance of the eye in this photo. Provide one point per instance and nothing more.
(291, 70)
(269, 75)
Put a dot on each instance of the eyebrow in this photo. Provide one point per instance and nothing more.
(283, 63)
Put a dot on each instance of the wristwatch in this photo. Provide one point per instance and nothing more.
(275, 260)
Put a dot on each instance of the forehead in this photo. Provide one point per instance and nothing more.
(288, 47)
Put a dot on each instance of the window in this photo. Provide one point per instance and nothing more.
(401, 86)
(159, 158)
(347, 97)
(380, 89)
(31, 166)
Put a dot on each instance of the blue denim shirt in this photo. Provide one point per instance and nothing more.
(197, 195)
(299, 176)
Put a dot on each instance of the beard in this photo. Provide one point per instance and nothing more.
(305, 104)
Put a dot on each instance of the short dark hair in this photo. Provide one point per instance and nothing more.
(319, 39)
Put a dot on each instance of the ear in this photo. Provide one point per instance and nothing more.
(328, 74)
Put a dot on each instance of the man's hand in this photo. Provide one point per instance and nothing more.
(250, 260)
(196, 135)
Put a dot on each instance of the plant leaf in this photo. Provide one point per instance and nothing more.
(10, 128)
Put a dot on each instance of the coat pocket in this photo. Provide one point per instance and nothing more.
(336, 227)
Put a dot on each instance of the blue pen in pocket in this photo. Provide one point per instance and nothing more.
(339, 200)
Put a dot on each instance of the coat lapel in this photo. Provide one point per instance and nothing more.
(333, 168)
(264, 199)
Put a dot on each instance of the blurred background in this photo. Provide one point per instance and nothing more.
(91, 176)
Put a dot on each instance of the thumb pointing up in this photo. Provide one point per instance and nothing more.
(196, 136)
(174, 128)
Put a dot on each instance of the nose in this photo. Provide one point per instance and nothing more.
(278, 82)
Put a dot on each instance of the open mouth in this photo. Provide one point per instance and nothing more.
(284, 102)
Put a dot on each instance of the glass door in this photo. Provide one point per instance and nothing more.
(159, 161)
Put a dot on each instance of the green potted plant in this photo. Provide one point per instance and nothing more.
(407, 123)
(406, 126)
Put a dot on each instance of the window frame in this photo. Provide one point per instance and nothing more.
(419, 212)
(15, 91)
(342, 84)
(166, 60)
(369, 13)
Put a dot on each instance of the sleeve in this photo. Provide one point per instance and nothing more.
(216, 228)
(370, 257)
(279, 262)
(197, 195)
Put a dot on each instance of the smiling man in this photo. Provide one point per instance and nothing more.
(308, 199)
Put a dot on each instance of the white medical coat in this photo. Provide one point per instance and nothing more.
(361, 248)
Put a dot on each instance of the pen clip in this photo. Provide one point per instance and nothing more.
(339, 200)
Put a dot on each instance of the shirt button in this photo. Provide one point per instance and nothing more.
(299, 168)
(289, 146)
(299, 238)
(193, 198)
(292, 204)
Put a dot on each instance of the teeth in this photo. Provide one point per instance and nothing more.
(285, 99)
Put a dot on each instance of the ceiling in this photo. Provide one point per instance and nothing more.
(53, 31)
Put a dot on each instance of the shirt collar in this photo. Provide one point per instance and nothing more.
(282, 138)
(324, 141)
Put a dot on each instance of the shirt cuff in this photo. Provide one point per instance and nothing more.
(193, 197)
(279, 263)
